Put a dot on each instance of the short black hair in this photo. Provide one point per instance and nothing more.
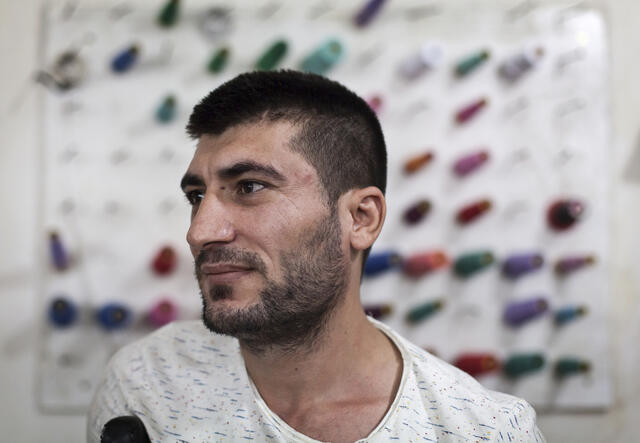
(339, 134)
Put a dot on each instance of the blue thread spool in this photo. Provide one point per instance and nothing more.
(570, 313)
(323, 58)
(113, 316)
(62, 312)
(382, 262)
(125, 60)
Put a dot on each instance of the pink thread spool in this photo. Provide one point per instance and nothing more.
(468, 112)
(162, 313)
(467, 164)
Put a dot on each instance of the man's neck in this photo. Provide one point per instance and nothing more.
(353, 361)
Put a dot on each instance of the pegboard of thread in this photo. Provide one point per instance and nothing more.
(489, 119)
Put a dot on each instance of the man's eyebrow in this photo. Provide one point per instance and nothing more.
(249, 166)
(190, 179)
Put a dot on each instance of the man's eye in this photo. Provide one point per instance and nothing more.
(194, 197)
(249, 187)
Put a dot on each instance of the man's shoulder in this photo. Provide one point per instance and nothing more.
(453, 399)
(155, 374)
(186, 343)
(443, 379)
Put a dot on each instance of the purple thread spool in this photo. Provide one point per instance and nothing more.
(568, 265)
(59, 255)
(368, 12)
(516, 66)
(520, 264)
(518, 313)
(417, 212)
(419, 63)
(378, 311)
(469, 163)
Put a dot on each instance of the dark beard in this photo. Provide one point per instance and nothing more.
(292, 315)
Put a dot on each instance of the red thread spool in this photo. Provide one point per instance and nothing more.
(470, 212)
(563, 214)
(477, 364)
(165, 261)
(420, 264)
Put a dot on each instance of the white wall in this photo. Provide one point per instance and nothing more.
(20, 420)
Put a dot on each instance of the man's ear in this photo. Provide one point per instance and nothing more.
(367, 209)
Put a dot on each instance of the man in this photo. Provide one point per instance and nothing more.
(287, 192)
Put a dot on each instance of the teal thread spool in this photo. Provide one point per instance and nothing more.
(522, 364)
(424, 311)
(167, 110)
(570, 366)
(470, 63)
(272, 56)
(469, 264)
(323, 58)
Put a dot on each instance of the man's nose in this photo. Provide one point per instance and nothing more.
(211, 223)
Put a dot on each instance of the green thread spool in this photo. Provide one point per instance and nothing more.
(468, 64)
(424, 311)
(169, 14)
(218, 60)
(468, 264)
(570, 366)
(521, 364)
(272, 56)
(323, 58)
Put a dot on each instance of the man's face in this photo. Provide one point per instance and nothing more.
(268, 251)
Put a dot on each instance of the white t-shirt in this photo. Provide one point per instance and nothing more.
(188, 384)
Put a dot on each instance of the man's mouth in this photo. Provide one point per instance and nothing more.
(223, 273)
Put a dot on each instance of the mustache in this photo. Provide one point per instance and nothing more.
(232, 256)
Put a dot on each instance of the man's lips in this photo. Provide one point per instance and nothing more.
(223, 273)
(215, 269)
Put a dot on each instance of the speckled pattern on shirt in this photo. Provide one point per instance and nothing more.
(189, 385)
